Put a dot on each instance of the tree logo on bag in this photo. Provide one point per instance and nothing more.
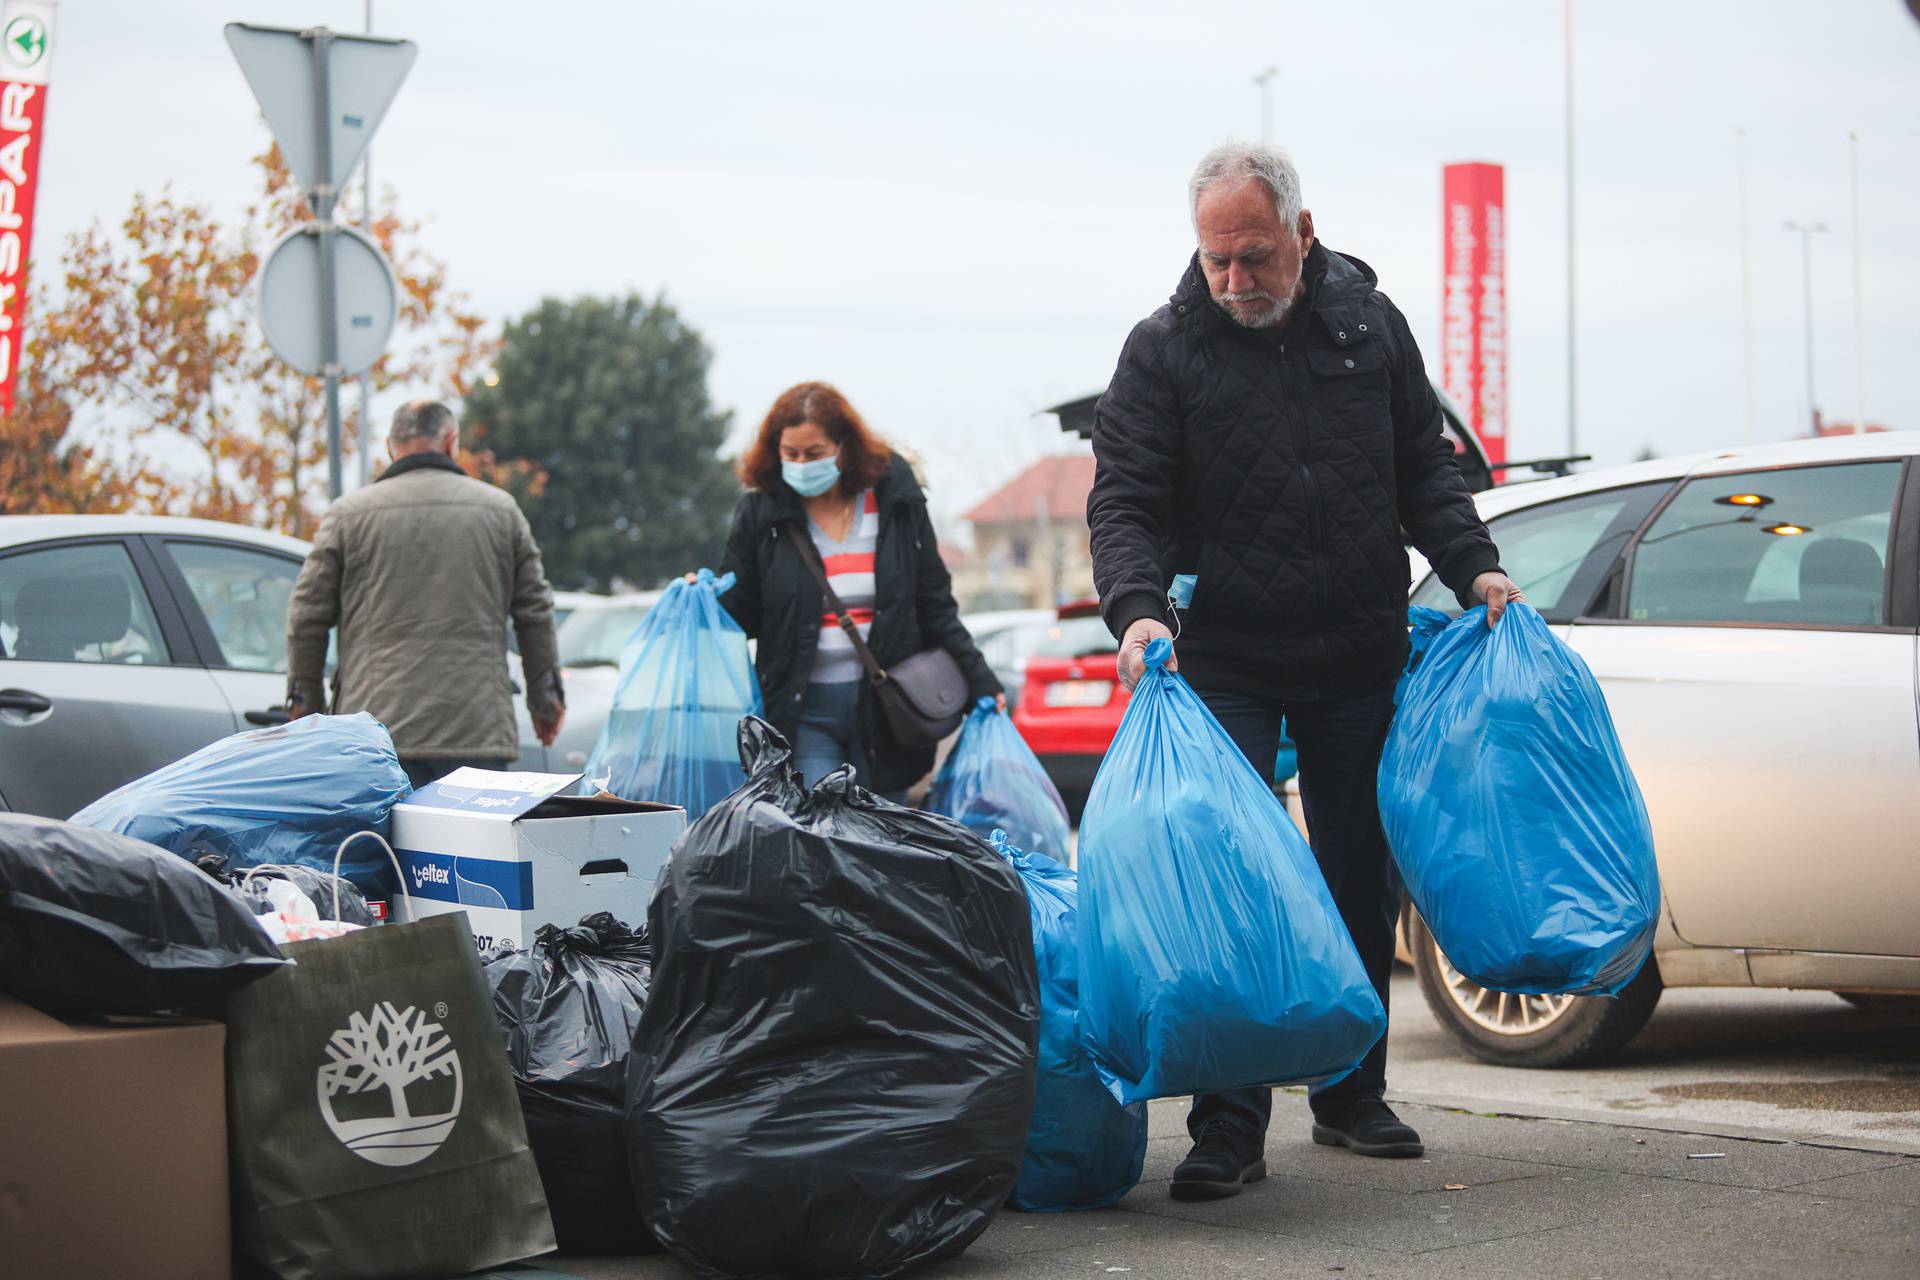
(390, 1087)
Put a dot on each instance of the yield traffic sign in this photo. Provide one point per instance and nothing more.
(301, 77)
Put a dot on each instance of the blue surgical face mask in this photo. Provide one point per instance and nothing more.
(811, 479)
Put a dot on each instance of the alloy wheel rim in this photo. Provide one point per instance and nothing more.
(1504, 1013)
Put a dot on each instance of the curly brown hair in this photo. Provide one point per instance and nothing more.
(864, 457)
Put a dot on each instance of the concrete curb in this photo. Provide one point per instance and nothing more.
(1745, 1133)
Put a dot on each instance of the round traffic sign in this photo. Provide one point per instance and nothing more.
(292, 305)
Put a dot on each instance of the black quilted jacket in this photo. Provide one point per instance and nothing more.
(1280, 466)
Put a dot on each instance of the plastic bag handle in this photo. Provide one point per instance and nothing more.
(721, 583)
(399, 872)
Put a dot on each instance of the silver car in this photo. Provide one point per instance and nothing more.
(127, 642)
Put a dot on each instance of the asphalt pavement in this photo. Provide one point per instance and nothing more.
(1744, 1135)
(1496, 1197)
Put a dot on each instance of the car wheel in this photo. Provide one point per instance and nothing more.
(1530, 1031)
(1882, 1002)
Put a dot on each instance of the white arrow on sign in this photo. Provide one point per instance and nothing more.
(365, 76)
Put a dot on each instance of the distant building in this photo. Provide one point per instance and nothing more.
(1030, 540)
(1822, 428)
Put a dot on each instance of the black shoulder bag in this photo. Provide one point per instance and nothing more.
(923, 698)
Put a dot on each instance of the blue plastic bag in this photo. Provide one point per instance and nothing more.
(286, 794)
(1211, 954)
(1518, 827)
(685, 683)
(992, 780)
(1084, 1150)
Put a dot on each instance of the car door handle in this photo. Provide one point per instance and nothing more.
(22, 700)
(271, 715)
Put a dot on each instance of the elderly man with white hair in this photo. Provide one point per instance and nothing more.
(1271, 431)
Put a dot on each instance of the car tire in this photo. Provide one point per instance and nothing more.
(1882, 1002)
(1531, 1031)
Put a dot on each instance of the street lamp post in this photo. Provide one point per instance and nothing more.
(1264, 81)
(1807, 231)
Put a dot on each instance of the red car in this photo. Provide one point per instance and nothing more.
(1072, 703)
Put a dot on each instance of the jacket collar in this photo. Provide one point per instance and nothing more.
(1335, 285)
(432, 458)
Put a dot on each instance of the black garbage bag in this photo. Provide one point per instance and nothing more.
(319, 886)
(92, 922)
(569, 1005)
(835, 1069)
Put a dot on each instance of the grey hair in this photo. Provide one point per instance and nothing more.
(420, 422)
(1235, 161)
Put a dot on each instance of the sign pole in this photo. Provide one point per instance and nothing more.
(323, 95)
(366, 379)
(321, 197)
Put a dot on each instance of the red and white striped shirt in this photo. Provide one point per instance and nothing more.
(850, 571)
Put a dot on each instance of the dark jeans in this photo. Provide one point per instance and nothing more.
(1339, 742)
(829, 736)
(421, 772)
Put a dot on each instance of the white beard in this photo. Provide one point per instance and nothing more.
(1273, 315)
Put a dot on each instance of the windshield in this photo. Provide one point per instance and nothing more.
(595, 637)
(1076, 638)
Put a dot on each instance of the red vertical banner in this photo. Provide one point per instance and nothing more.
(1473, 307)
(26, 39)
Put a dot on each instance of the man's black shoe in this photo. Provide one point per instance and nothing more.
(1220, 1163)
(1369, 1129)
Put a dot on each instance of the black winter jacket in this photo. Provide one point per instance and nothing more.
(778, 601)
(1280, 467)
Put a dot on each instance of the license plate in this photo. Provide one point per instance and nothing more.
(1079, 693)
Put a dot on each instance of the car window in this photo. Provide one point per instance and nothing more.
(1076, 638)
(596, 637)
(1558, 551)
(244, 594)
(77, 604)
(1799, 545)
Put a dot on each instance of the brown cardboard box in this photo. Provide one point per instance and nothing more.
(113, 1147)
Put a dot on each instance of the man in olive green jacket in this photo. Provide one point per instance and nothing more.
(420, 572)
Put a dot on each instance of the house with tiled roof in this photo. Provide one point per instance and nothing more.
(1030, 539)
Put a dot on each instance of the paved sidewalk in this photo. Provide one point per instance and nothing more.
(1495, 1197)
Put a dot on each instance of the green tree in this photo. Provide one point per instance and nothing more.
(607, 397)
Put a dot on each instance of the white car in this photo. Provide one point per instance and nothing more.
(1752, 618)
(591, 639)
(1006, 639)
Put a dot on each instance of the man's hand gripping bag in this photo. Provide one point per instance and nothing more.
(1211, 954)
(835, 1068)
(1518, 827)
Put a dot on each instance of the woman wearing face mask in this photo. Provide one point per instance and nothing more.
(816, 472)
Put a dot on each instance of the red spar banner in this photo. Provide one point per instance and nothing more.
(1474, 300)
(26, 31)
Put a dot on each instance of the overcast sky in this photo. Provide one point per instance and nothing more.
(957, 211)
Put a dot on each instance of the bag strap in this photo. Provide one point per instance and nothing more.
(811, 554)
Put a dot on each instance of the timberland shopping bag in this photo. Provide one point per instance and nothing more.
(374, 1126)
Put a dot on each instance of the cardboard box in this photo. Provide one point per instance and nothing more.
(514, 852)
(113, 1147)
